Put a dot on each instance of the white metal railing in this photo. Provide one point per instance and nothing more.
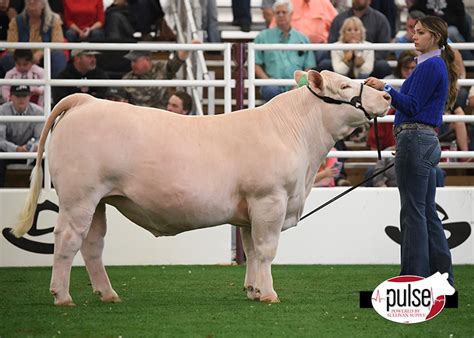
(227, 83)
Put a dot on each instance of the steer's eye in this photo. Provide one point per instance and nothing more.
(345, 86)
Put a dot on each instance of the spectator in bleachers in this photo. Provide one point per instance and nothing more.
(18, 136)
(377, 30)
(4, 19)
(143, 68)
(274, 64)
(453, 12)
(82, 65)
(209, 20)
(84, 20)
(267, 11)
(412, 18)
(313, 18)
(356, 64)
(327, 172)
(242, 15)
(389, 9)
(118, 94)
(180, 103)
(25, 69)
(148, 14)
(37, 23)
(120, 23)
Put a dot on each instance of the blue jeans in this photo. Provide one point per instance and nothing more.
(95, 35)
(424, 248)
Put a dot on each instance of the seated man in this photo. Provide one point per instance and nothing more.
(82, 65)
(180, 103)
(18, 136)
(143, 68)
(274, 64)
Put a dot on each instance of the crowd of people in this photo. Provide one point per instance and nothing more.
(287, 21)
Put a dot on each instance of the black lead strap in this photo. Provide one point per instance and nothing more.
(377, 141)
(347, 191)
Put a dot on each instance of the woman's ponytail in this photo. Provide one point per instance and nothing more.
(448, 55)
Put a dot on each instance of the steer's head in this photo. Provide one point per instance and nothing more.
(333, 86)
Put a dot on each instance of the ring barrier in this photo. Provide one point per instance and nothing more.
(227, 83)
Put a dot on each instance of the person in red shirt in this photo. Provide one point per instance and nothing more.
(84, 20)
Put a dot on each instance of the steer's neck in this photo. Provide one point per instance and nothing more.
(299, 119)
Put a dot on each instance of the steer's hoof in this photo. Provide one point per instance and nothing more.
(270, 299)
(112, 299)
(252, 293)
(64, 303)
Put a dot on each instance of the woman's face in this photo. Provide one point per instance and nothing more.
(424, 41)
(407, 68)
(34, 7)
(352, 33)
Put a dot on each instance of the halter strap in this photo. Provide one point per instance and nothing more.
(356, 101)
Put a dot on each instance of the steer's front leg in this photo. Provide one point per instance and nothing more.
(267, 219)
(250, 286)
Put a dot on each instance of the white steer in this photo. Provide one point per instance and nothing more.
(170, 173)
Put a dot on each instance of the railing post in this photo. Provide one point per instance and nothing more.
(239, 74)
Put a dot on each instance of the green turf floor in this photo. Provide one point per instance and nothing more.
(207, 301)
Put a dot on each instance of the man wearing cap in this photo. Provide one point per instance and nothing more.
(117, 94)
(82, 65)
(18, 136)
(143, 68)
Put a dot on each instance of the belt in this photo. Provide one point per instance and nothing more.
(399, 128)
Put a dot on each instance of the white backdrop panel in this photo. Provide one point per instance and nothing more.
(351, 230)
(125, 242)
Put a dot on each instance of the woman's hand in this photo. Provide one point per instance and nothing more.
(374, 83)
(358, 61)
(347, 58)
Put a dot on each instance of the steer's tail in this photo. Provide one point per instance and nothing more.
(26, 216)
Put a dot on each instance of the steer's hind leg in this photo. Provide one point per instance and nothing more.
(251, 268)
(91, 250)
(70, 231)
(267, 216)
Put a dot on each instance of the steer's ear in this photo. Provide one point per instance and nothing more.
(315, 81)
(301, 78)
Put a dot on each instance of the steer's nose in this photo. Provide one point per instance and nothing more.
(387, 97)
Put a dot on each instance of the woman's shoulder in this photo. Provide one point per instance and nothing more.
(434, 65)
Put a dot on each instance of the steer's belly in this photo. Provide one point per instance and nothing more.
(168, 219)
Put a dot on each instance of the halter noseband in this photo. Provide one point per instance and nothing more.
(355, 102)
